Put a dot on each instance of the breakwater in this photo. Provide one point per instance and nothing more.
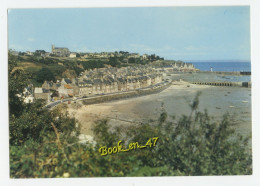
(125, 95)
(229, 84)
(224, 73)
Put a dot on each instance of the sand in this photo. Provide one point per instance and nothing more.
(175, 99)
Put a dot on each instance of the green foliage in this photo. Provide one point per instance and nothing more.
(196, 146)
(39, 52)
(92, 64)
(44, 143)
(113, 61)
(35, 121)
(18, 80)
(45, 74)
(73, 65)
(57, 70)
(103, 135)
(39, 140)
(57, 66)
(188, 146)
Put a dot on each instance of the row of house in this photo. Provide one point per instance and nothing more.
(111, 85)
(108, 80)
(99, 81)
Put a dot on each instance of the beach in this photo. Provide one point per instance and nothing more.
(175, 101)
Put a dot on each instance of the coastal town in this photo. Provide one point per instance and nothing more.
(102, 81)
(128, 91)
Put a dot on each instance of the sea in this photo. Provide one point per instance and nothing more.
(218, 67)
(223, 66)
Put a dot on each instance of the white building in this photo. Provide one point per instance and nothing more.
(27, 95)
(73, 54)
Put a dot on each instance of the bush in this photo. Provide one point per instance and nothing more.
(195, 145)
(44, 143)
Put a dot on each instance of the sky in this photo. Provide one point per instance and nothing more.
(180, 33)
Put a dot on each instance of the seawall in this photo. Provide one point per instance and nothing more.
(225, 73)
(229, 84)
(124, 95)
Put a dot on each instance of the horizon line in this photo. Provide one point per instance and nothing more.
(218, 60)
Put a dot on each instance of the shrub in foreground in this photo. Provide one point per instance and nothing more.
(192, 145)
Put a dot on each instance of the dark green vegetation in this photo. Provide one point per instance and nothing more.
(55, 68)
(44, 143)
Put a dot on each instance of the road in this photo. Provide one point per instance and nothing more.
(52, 104)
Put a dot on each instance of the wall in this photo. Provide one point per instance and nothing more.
(134, 93)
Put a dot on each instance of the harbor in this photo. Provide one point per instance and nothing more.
(218, 100)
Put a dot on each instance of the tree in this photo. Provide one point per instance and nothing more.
(17, 81)
(113, 61)
(195, 145)
(153, 57)
(92, 64)
(131, 60)
(39, 52)
(34, 132)
(44, 74)
(44, 143)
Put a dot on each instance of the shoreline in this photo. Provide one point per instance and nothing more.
(136, 110)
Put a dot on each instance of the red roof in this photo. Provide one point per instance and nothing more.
(68, 86)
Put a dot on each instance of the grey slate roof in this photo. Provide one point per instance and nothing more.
(110, 79)
(107, 82)
(45, 90)
(58, 84)
(97, 81)
(87, 81)
(121, 80)
(67, 80)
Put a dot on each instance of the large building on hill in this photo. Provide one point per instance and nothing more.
(60, 51)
